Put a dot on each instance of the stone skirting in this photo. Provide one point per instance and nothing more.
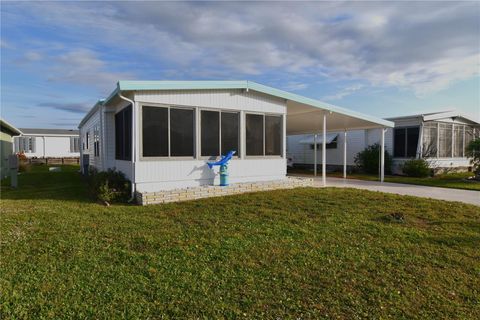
(217, 191)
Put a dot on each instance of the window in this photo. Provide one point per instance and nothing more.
(168, 131)
(96, 141)
(254, 135)
(230, 128)
(445, 141)
(469, 136)
(412, 141)
(219, 132)
(74, 144)
(182, 132)
(263, 135)
(87, 138)
(429, 139)
(155, 131)
(273, 135)
(458, 141)
(405, 142)
(26, 145)
(210, 133)
(399, 142)
(123, 134)
(331, 145)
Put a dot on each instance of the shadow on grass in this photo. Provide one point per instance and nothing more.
(40, 183)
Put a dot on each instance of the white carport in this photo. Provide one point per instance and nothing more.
(308, 116)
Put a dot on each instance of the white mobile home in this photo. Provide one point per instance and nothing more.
(439, 137)
(48, 143)
(162, 133)
(7, 134)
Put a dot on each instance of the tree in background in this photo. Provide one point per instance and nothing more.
(473, 152)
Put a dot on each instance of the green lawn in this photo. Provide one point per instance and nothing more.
(450, 180)
(303, 254)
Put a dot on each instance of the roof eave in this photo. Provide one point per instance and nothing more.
(90, 113)
(242, 84)
(10, 127)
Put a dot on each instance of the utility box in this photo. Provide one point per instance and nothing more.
(13, 166)
(85, 164)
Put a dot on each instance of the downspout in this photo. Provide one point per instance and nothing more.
(132, 196)
(103, 138)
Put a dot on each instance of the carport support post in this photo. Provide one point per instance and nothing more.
(315, 154)
(324, 151)
(382, 156)
(345, 154)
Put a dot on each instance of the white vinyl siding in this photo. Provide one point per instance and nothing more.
(153, 174)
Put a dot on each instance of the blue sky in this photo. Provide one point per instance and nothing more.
(383, 59)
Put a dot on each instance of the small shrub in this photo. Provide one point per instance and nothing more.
(473, 152)
(24, 166)
(368, 160)
(418, 168)
(109, 186)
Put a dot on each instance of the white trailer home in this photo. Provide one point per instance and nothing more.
(439, 137)
(48, 143)
(7, 134)
(161, 134)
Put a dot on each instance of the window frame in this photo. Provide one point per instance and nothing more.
(406, 141)
(123, 157)
(87, 140)
(282, 135)
(169, 157)
(220, 111)
(27, 141)
(96, 141)
(72, 144)
(450, 136)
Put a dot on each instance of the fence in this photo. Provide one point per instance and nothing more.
(57, 161)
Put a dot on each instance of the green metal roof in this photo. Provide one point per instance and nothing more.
(127, 85)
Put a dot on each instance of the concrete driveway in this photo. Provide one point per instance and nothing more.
(466, 196)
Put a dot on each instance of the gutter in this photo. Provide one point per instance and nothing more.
(132, 196)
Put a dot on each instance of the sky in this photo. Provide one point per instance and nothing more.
(381, 58)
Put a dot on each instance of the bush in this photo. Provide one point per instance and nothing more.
(473, 152)
(24, 166)
(368, 160)
(417, 168)
(109, 186)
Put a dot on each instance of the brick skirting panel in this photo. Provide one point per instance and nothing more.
(217, 191)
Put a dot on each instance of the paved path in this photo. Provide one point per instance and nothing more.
(448, 194)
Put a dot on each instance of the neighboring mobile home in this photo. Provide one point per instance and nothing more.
(439, 137)
(7, 132)
(48, 143)
(162, 133)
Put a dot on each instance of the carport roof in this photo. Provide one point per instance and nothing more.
(306, 111)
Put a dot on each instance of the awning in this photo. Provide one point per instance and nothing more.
(309, 140)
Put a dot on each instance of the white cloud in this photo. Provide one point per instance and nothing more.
(344, 92)
(32, 56)
(84, 67)
(423, 46)
(295, 86)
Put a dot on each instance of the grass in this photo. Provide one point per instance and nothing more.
(304, 253)
(448, 180)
